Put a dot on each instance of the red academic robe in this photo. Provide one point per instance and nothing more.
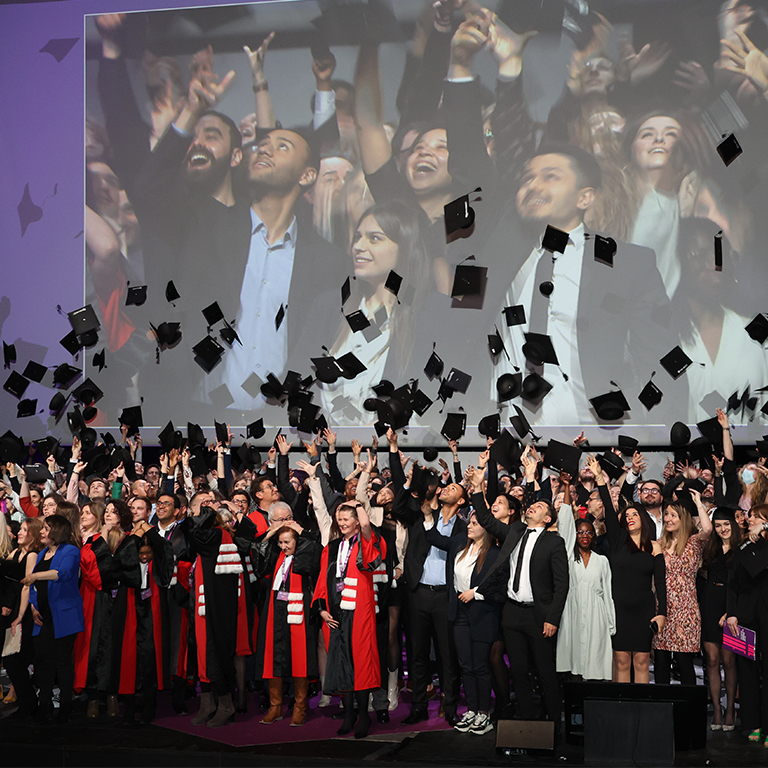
(353, 654)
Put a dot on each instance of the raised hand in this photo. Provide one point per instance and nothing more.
(640, 65)
(283, 445)
(323, 70)
(475, 477)
(77, 447)
(392, 439)
(256, 60)
(470, 38)
(330, 438)
(454, 446)
(507, 46)
(164, 463)
(370, 465)
(482, 459)
(596, 469)
(638, 463)
(357, 449)
(579, 440)
(742, 57)
(110, 27)
(311, 447)
(310, 469)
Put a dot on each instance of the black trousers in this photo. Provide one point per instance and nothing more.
(429, 620)
(662, 667)
(753, 678)
(526, 646)
(54, 657)
(474, 661)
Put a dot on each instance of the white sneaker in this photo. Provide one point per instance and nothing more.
(325, 701)
(466, 722)
(482, 724)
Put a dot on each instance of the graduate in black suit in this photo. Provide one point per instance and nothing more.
(530, 577)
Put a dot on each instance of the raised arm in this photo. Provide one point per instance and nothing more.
(265, 114)
(375, 147)
(566, 525)
(484, 517)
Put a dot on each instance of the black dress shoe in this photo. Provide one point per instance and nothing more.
(346, 726)
(416, 716)
(382, 715)
(452, 718)
(363, 726)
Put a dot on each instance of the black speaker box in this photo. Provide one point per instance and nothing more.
(525, 734)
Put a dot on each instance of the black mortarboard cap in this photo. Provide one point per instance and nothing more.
(279, 317)
(554, 240)
(700, 448)
(249, 456)
(509, 385)
(65, 374)
(535, 388)
(612, 464)
(272, 388)
(514, 315)
(679, 435)
(346, 291)
(16, 384)
(87, 393)
(327, 369)
(454, 426)
(458, 381)
(393, 282)
(357, 321)
(26, 408)
(12, 448)
(171, 294)
(99, 360)
(292, 382)
(458, 214)
(729, 149)
(34, 371)
(100, 464)
(90, 412)
(490, 425)
(9, 354)
(758, 328)
(538, 349)
(562, 457)
(611, 406)
(213, 314)
(506, 450)
(520, 422)
(676, 362)
(627, 445)
(208, 352)
(429, 453)
(434, 367)
(469, 280)
(84, 320)
(381, 428)
(650, 396)
(495, 344)
(72, 343)
(222, 433)
(351, 365)
(384, 388)
(195, 434)
(46, 445)
(255, 429)
(229, 335)
(132, 418)
(420, 402)
(711, 430)
(58, 404)
(75, 421)
(605, 250)
(167, 334)
(167, 437)
(136, 296)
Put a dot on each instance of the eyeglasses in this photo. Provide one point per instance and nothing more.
(589, 534)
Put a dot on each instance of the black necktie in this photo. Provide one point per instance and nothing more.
(539, 318)
(519, 566)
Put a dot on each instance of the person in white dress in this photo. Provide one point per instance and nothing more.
(589, 619)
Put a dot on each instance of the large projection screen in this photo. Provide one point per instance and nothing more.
(612, 112)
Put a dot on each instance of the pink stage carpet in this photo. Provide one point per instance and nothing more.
(247, 730)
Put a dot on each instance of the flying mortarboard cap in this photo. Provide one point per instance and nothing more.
(72, 343)
(676, 362)
(627, 445)
(535, 388)
(34, 371)
(279, 317)
(384, 388)
(229, 335)
(434, 367)
(729, 149)
(458, 214)
(87, 393)
(11, 448)
(222, 432)
(249, 456)
(346, 291)
(58, 404)
(514, 315)
(605, 250)
(167, 437)
(195, 434)
(393, 282)
(16, 384)
(469, 280)
(208, 352)
(650, 396)
(327, 369)
(611, 406)
(506, 450)
(46, 445)
(538, 349)
(711, 430)
(9, 354)
(679, 435)
(420, 402)
(554, 240)
(490, 425)
(700, 448)
(65, 374)
(90, 412)
(762, 446)
(520, 422)
(84, 320)
(357, 321)
(458, 381)
(171, 294)
(496, 343)
(272, 388)
(213, 314)
(167, 334)
(99, 360)
(429, 453)
(454, 426)
(132, 418)
(509, 385)
(136, 296)
(562, 457)
(26, 408)
(612, 464)
(256, 429)
(75, 421)
(351, 365)
(758, 328)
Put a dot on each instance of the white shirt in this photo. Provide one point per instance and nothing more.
(266, 286)
(567, 403)
(144, 575)
(345, 552)
(462, 571)
(525, 593)
(281, 575)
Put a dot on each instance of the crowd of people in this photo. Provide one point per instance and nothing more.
(620, 142)
(264, 576)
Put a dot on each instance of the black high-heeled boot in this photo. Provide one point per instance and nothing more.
(179, 689)
(349, 714)
(364, 718)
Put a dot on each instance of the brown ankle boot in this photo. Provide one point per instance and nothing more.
(300, 690)
(225, 713)
(275, 711)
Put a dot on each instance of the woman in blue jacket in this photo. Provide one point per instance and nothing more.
(57, 609)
